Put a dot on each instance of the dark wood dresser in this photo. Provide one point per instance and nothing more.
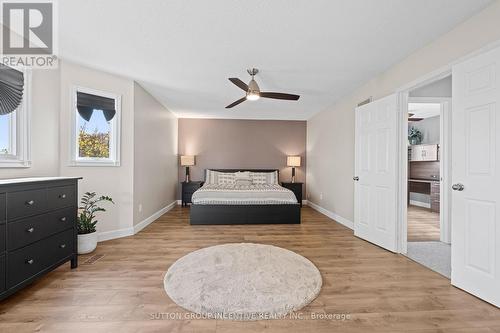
(37, 229)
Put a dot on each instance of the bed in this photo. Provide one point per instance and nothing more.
(228, 197)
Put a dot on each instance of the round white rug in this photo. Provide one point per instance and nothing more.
(242, 281)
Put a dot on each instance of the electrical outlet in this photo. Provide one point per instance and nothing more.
(321, 196)
(140, 207)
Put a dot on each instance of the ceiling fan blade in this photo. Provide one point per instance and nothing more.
(275, 95)
(236, 103)
(240, 84)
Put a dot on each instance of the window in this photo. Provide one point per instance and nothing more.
(14, 126)
(7, 132)
(96, 128)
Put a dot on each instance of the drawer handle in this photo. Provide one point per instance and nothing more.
(30, 229)
(30, 203)
(62, 246)
(62, 196)
(30, 261)
(63, 219)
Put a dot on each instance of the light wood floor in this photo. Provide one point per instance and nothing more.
(423, 225)
(123, 291)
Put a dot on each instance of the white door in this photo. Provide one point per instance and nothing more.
(475, 217)
(375, 172)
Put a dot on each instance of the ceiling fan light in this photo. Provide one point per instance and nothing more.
(253, 96)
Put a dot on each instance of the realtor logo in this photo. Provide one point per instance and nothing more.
(28, 29)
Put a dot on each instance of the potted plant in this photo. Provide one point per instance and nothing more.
(414, 136)
(86, 222)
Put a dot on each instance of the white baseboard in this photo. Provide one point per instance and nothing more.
(144, 223)
(420, 204)
(113, 234)
(304, 202)
(179, 202)
(333, 216)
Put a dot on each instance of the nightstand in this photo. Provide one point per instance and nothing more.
(188, 189)
(296, 188)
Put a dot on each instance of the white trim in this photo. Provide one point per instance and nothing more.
(420, 204)
(337, 218)
(21, 133)
(113, 234)
(144, 223)
(115, 133)
(179, 202)
(445, 172)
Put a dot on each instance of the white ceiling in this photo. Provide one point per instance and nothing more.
(183, 51)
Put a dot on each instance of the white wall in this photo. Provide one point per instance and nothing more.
(430, 129)
(117, 182)
(44, 127)
(330, 133)
(155, 155)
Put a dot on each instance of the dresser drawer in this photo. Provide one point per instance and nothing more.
(2, 207)
(62, 196)
(26, 203)
(32, 229)
(3, 233)
(28, 261)
(2, 273)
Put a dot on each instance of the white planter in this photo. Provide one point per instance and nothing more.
(87, 243)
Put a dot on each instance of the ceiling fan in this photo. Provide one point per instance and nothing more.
(253, 92)
(410, 115)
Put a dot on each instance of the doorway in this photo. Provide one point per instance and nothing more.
(427, 232)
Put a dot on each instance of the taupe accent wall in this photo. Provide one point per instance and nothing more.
(228, 143)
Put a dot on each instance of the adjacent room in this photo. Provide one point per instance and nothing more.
(428, 229)
(234, 166)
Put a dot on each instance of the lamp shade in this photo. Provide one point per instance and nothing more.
(187, 160)
(293, 161)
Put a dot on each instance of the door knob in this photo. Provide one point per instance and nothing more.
(458, 187)
(30, 203)
(30, 230)
(356, 178)
(30, 261)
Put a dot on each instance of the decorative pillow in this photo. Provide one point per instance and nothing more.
(264, 177)
(225, 178)
(211, 177)
(216, 177)
(242, 175)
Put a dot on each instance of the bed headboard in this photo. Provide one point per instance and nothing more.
(251, 170)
